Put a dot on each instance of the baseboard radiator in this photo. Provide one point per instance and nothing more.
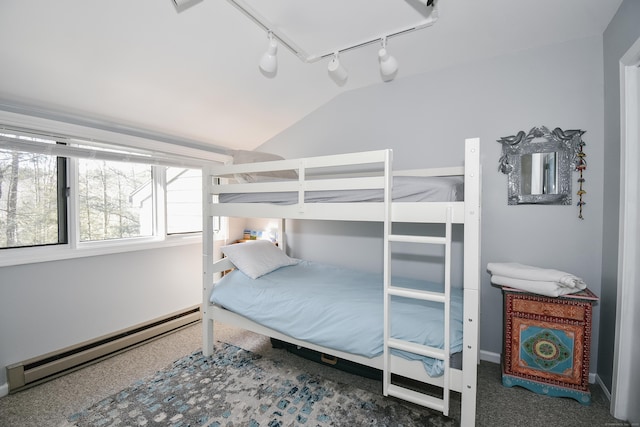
(48, 366)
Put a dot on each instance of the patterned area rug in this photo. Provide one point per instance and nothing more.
(238, 388)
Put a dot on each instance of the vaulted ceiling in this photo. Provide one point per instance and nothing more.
(192, 73)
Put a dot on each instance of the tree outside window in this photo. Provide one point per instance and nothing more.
(30, 188)
(106, 208)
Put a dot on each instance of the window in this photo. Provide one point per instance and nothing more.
(63, 190)
(114, 200)
(32, 199)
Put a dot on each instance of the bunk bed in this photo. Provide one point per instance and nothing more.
(294, 184)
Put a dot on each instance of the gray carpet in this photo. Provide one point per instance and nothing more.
(52, 403)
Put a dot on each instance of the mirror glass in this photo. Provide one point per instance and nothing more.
(539, 165)
(539, 173)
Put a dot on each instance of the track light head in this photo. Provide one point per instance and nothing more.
(184, 4)
(425, 3)
(336, 71)
(269, 61)
(388, 65)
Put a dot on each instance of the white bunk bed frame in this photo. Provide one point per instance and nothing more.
(465, 212)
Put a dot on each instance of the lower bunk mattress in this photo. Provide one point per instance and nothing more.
(341, 309)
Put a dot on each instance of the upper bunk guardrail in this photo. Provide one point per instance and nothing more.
(300, 185)
(304, 164)
(351, 171)
(332, 172)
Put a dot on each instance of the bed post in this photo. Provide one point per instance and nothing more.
(207, 261)
(471, 323)
(282, 240)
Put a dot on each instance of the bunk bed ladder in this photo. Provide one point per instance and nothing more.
(440, 404)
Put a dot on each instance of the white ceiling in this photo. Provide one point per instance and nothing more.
(193, 74)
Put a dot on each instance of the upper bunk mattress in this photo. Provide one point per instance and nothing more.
(405, 189)
(341, 309)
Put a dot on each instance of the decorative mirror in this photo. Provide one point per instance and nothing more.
(539, 165)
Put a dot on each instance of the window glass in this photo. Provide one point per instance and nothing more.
(184, 200)
(112, 199)
(115, 200)
(32, 199)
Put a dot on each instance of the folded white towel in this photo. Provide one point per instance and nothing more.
(528, 272)
(551, 289)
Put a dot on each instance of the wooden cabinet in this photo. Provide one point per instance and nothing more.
(547, 343)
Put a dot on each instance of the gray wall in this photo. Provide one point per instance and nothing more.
(621, 33)
(426, 118)
(51, 305)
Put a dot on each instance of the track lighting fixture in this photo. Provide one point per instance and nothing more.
(280, 34)
(269, 61)
(388, 64)
(336, 71)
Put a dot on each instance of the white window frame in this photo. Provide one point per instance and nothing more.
(76, 249)
(158, 219)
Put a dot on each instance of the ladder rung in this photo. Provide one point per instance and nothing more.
(405, 238)
(416, 294)
(411, 347)
(417, 398)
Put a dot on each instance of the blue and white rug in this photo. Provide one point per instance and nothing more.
(238, 388)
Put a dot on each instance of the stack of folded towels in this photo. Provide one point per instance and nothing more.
(542, 281)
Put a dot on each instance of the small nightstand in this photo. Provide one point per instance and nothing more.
(547, 343)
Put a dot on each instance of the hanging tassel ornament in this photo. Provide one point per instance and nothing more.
(581, 165)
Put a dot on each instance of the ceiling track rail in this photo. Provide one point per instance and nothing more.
(304, 56)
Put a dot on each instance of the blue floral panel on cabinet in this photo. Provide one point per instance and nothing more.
(547, 349)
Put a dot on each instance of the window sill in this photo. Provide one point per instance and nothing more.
(21, 256)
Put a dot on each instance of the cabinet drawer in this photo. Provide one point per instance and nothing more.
(568, 310)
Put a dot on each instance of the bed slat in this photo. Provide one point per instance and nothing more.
(434, 240)
(417, 294)
(423, 350)
(417, 398)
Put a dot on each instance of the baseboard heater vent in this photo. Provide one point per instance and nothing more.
(46, 367)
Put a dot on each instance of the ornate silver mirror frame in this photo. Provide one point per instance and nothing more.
(539, 165)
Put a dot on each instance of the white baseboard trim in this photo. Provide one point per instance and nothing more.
(604, 388)
(4, 390)
(489, 356)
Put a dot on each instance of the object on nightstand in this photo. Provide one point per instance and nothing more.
(547, 343)
(543, 281)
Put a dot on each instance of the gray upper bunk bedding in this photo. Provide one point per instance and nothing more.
(405, 189)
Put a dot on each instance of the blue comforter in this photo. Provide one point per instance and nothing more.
(341, 309)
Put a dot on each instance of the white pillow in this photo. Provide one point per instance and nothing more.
(246, 156)
(257, 257)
